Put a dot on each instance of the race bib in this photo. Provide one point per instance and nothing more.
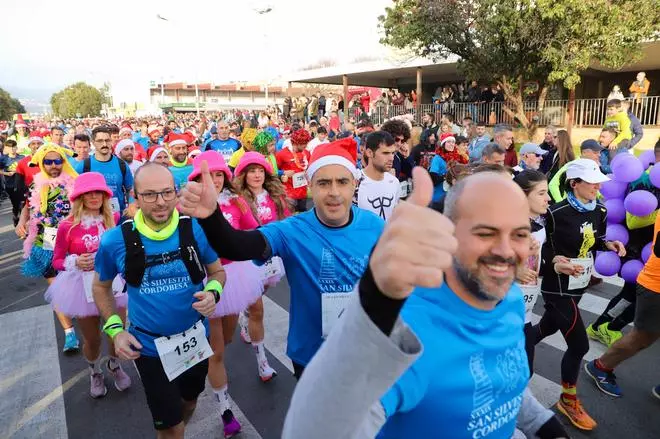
(272, 268)
(299, 180)
(114, 202)
(180, 352)
(404, 189)
(332, 308)
(50, 233)
(581, 281)
(530, 296)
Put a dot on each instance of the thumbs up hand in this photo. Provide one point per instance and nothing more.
(416, 246)
(199, 199)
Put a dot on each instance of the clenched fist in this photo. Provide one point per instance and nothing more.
(416, 246)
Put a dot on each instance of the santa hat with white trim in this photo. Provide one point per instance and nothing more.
(174, 139)
(342, 152)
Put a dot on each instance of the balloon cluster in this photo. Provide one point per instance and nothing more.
(626, 168)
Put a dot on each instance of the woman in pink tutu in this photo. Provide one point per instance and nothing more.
(77, 241)
(257, 183)
(244, 284)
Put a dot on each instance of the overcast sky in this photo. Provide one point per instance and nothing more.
(47, 45)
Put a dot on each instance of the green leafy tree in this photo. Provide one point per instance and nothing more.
(9, 105)
(77, 99)
(514, 41)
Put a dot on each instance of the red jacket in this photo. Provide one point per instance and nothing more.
(287, 161)
(511, 157)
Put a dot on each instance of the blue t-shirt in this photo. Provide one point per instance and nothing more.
(319, 259)
(9, 164)
(469, 381)
(439, 166)
(163, 303)
(225, 147)
(180, 175)
(120, 185)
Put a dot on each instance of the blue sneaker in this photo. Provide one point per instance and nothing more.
(656, 391)
(605, 381)
(71, 343)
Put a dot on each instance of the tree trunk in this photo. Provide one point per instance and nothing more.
(571, 110)
(514, 106)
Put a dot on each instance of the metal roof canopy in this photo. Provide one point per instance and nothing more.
(387, 74)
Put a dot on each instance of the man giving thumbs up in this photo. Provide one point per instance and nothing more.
(469, 380)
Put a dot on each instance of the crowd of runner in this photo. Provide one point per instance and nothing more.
(165, 233)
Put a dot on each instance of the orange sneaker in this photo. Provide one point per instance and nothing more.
(575, 413)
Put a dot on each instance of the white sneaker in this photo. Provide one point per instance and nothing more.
(266, 373)
(243, 323)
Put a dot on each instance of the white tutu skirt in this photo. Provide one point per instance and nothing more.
(274, 280)
(67, 295)
(243, 287)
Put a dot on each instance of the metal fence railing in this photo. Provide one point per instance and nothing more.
(587, 112)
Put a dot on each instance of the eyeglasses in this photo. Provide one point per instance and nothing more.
(50, 162)
(152, 197)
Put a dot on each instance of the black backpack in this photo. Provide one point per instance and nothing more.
(137, 261)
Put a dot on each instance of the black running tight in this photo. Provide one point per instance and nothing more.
(621, 309)
(562, 314)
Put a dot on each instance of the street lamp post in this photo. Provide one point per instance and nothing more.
(263, 12)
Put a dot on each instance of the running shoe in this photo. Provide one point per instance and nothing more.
(593, 333)
(231, 425)
(122, 380)
(71, 343)
(573, 410)
(266, 373)
(609, 336)
(243, 323)
(97, 387)
(605, 381)
(656, 391)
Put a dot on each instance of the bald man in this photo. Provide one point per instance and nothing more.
(471, 328)
(169, 258)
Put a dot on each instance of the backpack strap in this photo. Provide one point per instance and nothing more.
(122, 168)
(135, 260)
(87, 165)
(190, 250)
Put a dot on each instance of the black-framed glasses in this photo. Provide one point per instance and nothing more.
(152, 197)
(50, 162)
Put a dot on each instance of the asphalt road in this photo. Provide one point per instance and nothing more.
(44, 393)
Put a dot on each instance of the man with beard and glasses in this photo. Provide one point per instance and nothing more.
(470, 326)
(117, 175)
(377, 190)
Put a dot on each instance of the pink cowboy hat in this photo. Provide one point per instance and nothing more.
(89, 182)
(215, 161)
(253, 158)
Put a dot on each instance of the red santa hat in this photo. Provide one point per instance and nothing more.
(20, 122)
(153, 129)
(173, 139)
(341, 152)
(154, 152)
(446, 136)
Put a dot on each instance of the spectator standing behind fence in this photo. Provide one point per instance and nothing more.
(615, 93)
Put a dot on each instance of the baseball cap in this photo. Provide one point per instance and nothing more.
(532, 148)
(214, 130)
(592, 145)
(586, 170)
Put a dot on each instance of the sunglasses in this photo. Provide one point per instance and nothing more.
(50, 162)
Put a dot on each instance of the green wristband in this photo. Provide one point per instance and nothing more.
(215, 287)
(113, 326)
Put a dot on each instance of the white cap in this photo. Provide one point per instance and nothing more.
(532, 148)
(586, 170)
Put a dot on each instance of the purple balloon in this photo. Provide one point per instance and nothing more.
(616, 212)
(622, 156)
(627, 170)
(607, 263)
(646, 251)
(640, 203)
(617, 232)
(631, 269)
(654, 176)
(614, 189)
(647, 158)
